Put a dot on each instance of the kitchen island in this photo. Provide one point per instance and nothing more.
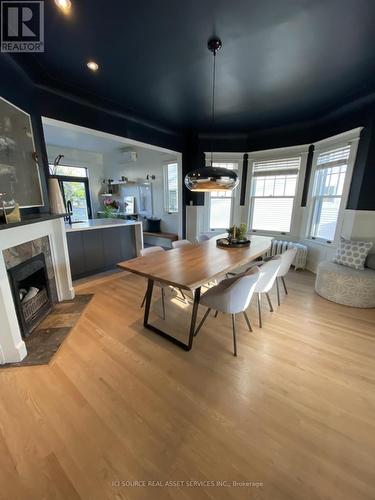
(97, 245)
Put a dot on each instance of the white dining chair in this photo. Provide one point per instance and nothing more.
(202, 237)
(287, 259)
(180, 243)
(231, 296)
(268, 273)
(148, 251)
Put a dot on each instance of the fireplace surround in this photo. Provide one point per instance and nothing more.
(18, 244)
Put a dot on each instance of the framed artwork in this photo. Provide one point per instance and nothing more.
(19, 171)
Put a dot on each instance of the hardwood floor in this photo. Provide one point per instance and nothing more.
(295, 411)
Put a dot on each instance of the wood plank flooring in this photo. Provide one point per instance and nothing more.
(294, 412)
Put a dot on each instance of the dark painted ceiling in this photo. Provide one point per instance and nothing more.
(281, 61)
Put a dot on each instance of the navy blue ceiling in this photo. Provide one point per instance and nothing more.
(282, 60)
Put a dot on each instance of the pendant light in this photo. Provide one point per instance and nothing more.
(212, 178)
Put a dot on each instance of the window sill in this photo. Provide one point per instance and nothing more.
(321, 243)
(278, 235)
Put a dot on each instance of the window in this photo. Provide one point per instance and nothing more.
(220, 202)
(330, 173)
(171, 188)
(273, 189)
(74, 186)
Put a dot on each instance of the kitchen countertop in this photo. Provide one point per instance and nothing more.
(99, 224)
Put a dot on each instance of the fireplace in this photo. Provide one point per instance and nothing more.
(31, 292)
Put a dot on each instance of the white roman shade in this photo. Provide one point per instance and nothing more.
(333, 158)
(283, 166)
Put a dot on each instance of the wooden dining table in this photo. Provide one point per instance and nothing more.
(189, 268)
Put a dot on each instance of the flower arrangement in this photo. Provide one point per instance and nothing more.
(110, 207)
(237, 233)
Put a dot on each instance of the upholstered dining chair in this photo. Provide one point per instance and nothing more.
(180, 243)
(268, 273)
(231, 296)
(202, 237)
(287, 259)
(148, 251)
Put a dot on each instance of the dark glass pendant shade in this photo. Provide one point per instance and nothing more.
(211, 179)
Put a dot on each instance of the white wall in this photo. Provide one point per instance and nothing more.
(148, 162)
(79, 158)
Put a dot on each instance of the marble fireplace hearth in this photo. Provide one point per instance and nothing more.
(18, 244)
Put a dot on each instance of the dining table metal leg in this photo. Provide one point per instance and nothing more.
(197, 297)
(146, 324)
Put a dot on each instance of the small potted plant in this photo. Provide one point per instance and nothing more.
(237, 234)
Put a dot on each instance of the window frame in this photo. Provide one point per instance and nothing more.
(223, 159)
(166, 189)
(73, 178)
(278, 154)
(350, 138)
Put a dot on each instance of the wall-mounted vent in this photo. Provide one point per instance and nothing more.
(129, 155)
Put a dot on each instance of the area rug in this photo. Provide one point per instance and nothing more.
(46, 339)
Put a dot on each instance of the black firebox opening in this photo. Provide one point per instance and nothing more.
(31, 292)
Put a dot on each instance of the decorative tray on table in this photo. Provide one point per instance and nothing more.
(232, 243)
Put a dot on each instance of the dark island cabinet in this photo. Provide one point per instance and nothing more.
(95, 250)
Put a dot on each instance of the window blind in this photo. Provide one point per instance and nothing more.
(283, 166)
(333, 158)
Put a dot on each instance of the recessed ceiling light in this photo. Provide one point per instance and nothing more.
(93, 65)
(64, 5)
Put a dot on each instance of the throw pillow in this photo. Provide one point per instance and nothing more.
(352, 253)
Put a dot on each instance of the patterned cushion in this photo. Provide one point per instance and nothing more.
(352, 253)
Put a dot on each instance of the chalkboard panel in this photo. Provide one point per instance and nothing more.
(19, 172)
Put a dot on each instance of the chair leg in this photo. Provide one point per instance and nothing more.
(278, 291)
(216, 314)
(260, 310)
(202, 321)
(183, 296)
(247, 321)
(269, 302)
(283, 280)
(163, 302)
(234, 334)
(144, 299)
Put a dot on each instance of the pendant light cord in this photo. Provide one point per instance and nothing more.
(213, 107)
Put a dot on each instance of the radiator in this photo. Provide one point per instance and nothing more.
(279, 246)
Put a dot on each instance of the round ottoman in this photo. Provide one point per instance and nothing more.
(346, 285)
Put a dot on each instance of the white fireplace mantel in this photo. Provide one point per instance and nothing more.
(12, 346)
